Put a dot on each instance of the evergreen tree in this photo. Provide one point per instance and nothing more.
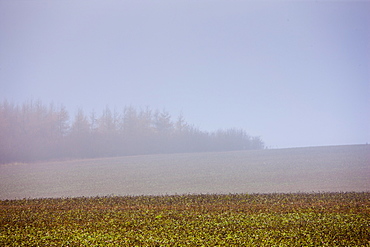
(32, 132)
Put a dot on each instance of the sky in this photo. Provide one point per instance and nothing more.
(295, 73)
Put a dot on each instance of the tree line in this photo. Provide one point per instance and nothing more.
(33, 131)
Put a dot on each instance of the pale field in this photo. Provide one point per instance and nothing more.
(315, 169)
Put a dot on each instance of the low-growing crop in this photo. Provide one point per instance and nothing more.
(301, 219)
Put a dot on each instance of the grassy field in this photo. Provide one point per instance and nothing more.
(301, 219)
(202, 199)
(316, 169)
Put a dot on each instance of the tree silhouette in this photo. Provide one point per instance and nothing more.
(33, 131)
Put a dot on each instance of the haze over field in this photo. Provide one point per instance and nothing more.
(294, 73)
(315, 169)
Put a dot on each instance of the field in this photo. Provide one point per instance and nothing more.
(315, 196)
(301, 219)
(316, 169)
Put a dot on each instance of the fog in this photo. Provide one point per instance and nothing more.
(34, 132)
(315, 169)
(293, 73)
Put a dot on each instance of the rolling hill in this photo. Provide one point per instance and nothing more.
(310, 169)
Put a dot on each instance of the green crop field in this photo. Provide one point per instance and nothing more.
(316, 169)
(300, 219)
(315, 196)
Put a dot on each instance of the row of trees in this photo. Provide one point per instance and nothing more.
(33, 131)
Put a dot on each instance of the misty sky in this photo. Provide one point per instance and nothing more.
(294, 73)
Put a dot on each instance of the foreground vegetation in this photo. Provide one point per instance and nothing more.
(318, 219)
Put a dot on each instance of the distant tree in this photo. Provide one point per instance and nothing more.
(93, 122)
(257, 143)
(33, 131)
(81, 125)
(162, 122)
(181, 125)
(62, 121)
(79, 139)
(163, 129)
(129, 121)
(106, 122)
(8, 128)
(145, 120)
